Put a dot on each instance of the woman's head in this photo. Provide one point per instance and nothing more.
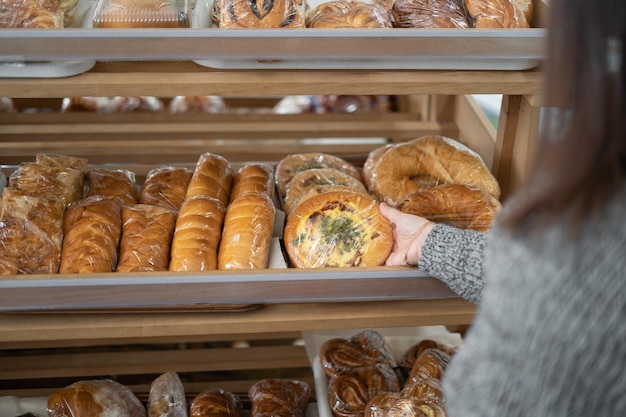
(581, 157)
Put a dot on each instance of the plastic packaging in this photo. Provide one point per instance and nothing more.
(429, 14)
(113, 182)
(142, 14)
(244, 14)
(348, 14)
(276, 397)
(166, 186)
(196, 104)
(337, 229)
(116, 104)
(216, 402)
(506, 14)
(53, 182)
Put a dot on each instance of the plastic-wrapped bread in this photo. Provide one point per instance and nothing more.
(310, 179)
(197, 235)
(393, 404)
(31, 234)
(212, 177)
(276, 397)
(93, 228)
(113, 182)
(167, 397)
(22, 15)
(499, 14)
(348, 14)
(253, 179)
(146, 238)
(54, 182)
(139, 14)
(242, 14)
(102, 397)
(247, 233)
(55, 160)
(216, 402)
(196, 104)
(289, 166)
(337, 229)
(166, 187)
(429, 14)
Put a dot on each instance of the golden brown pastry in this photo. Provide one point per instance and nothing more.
(29, 16)
(216, 402)
(140, 14)
(93, 227)
(291, 165)
(253, 179)
(167, 397)
(54, 160)
(504, 14)
(260, 14)
(414, 407)
(166, 187)
(410, 356)
(212, 177)
(113, 182)
(321, 189)
(197, 235)
(348, 14)
(247, 233)
(339, 229)
(54, 182)
(31, 234)
(429, 14)
(276, 397)
(101, 397)
(362, 350)
(438, 178)
(196, 104)
(526, 7)
(146, 238)
(350, 391)
(310, 179)
(370, 162)
(431, 363)
(427, 389)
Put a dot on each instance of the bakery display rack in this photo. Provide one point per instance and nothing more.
(57, 329)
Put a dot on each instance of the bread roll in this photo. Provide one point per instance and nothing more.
(146, 238)
(216, 402)
(197, 235)
(350, 391)
(212, 177)
(103, 397)
(166, 187)
(276, 397)
(310, 179)
(247, 233)
(501, 14)
(31, 234)
(140, 14)
(253, 179)
(362, 350)
(93, 227)
(292, 164)
(348, 14)
(337, 229)
(167, 397)
(429, 14)
(53, 182)
(113, 182)
(241, 14)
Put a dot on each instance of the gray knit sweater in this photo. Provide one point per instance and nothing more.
(549, 336)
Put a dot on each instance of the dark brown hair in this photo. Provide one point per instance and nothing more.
(580, 162)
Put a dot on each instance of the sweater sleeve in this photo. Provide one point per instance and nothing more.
(455, 256)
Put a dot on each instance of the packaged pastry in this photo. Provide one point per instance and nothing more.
(244, 14)
(212, 177)
(196, 104)
(253, 179)
(54, 182)
(167, 396)
(500, 14)
(277, 397)
(146, 238)
(337, 229)
(31, 234)
(429, 14)
(216, 402)
(142, 14)
(115, 104)
(36, 14)
(113, 182)
(92, 228)
(348, 14)
(55, 160)
(166, 186)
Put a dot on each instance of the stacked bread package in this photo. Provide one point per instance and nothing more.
(332, 221)
(242, 14)
(438, 178)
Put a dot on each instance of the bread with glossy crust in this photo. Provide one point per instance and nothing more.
(258, 14)
(216, 402)
(278, 397)
(501, 14)
(247, 233)
(253, 179)
(339, 229)
(166, 186)
(429, 14)
(113, 182)
(212, 177)
(103, 397)
(348, 14)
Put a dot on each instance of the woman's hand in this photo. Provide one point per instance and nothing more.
(409, 235)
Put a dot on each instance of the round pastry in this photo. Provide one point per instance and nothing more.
(429, 14)
(310, 179)
(427, 389)
(267, 14)
(348, 14)
(291, 165)
(340, 229)
(362, 350)
(411, 355)
(415, 407)
(95, 398)
(216, 402)
(349, 392)
(379, 405)
(431, 363)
